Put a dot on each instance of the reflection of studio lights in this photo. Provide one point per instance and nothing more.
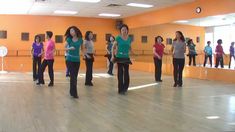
(182, 21)
(219, 16)
(212, 117)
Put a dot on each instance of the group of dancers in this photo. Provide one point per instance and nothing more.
(118, 51)
(75, 47)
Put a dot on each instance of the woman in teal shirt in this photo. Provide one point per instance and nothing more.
(121, 48)
(73, 45)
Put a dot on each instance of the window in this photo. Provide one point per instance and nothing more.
(144, 39)
(25, 36)
(59, 38)
(3, 34)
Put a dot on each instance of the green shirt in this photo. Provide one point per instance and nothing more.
(74, 55)
(123, 47)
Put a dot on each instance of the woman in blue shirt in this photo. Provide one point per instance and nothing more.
(192, 52)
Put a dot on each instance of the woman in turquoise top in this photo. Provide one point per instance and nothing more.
(121, 48)
(192, 52)
(73, 45)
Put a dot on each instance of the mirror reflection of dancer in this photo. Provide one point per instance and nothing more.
(232, 55)
(219, 54)
(192, 52)
(208, 53)
(121, 49)
(178, 49)
(48, 60)
(73, 45)
(37, 52)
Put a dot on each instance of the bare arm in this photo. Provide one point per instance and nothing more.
(83, 50)
(155, 53)
(114, 48)
(107, 49)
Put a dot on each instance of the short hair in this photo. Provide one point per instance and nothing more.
(124, 25)
(39, 38)
(219, 41)
(49, 34)
(189, 41)
(159, 37)
(87, 35)
(208, 42)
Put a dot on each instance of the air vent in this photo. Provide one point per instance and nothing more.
(113, 5)
(42, 1)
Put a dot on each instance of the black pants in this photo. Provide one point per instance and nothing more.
(190, 59)
(110, 71)
(123, 77)
(89, 71)
(230, 59)
(158, 68)
(178, 70)
(36, 66)
(210, 59)
(219, 60)
(74, 68)
(46, 63)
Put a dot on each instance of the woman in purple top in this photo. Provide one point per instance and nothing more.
(37, 51)
(232, 55)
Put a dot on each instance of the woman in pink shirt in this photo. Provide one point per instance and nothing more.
(48, 60)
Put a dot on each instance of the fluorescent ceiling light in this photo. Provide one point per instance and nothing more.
(140, 5)
(13, 6)
(65, 12)
(87, 1)
(109, 15)
(182, 21)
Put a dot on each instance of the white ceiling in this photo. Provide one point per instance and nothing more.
(211, 21)
(30, 7)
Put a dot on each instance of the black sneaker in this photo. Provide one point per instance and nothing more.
(175, 85)
(89, 84)
(50, 84)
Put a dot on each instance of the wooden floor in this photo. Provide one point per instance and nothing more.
(25, 107)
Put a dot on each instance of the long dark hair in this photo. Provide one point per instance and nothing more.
(87, 35)
(110, 37)
(189, 42)
(39, 38)
(77, 32)
(182, 36)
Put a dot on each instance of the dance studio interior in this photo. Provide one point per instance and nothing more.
(117, 66)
